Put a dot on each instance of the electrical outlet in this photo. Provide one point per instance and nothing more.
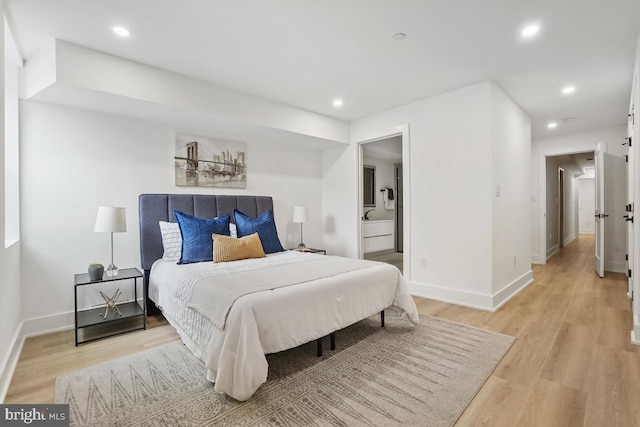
(514, 260)
(423, 262)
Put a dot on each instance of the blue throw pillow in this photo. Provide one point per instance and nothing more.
(197, 243)
(264, 225)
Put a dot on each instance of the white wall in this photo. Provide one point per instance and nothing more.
(635, 103)
(73, 161)
(10, 304)
(12, 65)
(552, 207)
(612, 137)
(340, 201)
(587, 192)
(451, 195)
(570, 209)
(385, 173)
(511, 139)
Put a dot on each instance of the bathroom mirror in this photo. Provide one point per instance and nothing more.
(369, 186)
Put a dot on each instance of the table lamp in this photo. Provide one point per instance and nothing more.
(300, 215)
(111, 220)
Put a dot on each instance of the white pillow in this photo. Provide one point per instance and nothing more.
(171, 241)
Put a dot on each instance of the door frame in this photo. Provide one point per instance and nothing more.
(561, 212)
(600, 206)
(397, 166)
(541, 257)
(403, 131)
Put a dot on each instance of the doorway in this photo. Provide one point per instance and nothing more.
(384, 228)
(563, 198)
(565, 218)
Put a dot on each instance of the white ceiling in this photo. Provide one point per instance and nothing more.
(305, 53)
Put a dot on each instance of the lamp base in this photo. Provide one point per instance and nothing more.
(112, 270)
(302, 245)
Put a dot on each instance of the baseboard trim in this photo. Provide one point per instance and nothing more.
(615, 266)
(569, 239)
(535, 259)
(10, 361)
(552, 251)
(48, 324)
(635, 332)
(452, 296)
(30, 328)
(472, 299)
(587, 232)
(501, 297)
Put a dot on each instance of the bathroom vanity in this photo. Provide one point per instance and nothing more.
(378, 235)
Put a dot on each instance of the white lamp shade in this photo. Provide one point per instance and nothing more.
(111, 220)
(299, 214)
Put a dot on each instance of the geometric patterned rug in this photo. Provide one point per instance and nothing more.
(394, 376)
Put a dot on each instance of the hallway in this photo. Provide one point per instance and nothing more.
(572, 363)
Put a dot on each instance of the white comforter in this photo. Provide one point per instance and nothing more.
(271, 321)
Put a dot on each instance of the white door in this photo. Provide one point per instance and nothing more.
(629, 206)
(615, 197)
(599, 214)
(610, 196)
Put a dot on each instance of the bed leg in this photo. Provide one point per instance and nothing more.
(319, 344)
(333, 340)
(382, 319)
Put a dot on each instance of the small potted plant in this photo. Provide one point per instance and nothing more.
(95, 272)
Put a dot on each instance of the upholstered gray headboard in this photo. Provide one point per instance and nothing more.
(160, 207)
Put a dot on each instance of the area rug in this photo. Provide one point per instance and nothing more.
(394, 376)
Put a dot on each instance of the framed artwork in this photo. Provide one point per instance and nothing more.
(208, 162)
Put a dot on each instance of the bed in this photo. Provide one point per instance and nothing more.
(233, 345)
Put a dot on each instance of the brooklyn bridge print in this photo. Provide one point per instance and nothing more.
(208, 162)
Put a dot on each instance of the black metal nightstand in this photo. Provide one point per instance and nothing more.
(310, 250)
(129, 310)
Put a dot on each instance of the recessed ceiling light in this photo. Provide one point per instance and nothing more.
(337, 102)
(552, 125)
(121, 31)
(530, 30)
(399, 36)
(568, 89)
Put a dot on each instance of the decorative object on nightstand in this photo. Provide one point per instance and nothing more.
(300, 215)
(95, 272)
(111, 219)
(110, 303)
(92, 322)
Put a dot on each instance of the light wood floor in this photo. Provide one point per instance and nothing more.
(571, 365)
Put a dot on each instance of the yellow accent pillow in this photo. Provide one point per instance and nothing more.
(227, 248)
